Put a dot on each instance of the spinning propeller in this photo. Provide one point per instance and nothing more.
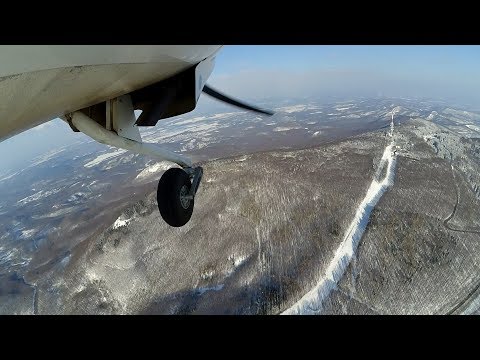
(219, 96)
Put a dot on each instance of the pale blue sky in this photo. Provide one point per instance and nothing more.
(450, 73)
(415, 59)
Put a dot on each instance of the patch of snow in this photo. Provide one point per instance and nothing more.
(430, 137)
(49, 155)
(192, 120)
(153, 169)
(91, 275)
(21, 263)
(66, 260)
(196, 144)
(432, 115)
(316, 133)
(286, 128)
(60, 212)
(284, 155)
(8, 255)
(9, 176)
(120, 222)
(104, 157)
(351, 116)
(207, 274)
(77, 196)
(38, 195)
(185, 133)
(462, 114)
(27, 233)
(226, 115)
(237, 260)
(79, 288)
(292, 109)
(202, 290)
(473, 127)
(242, 159)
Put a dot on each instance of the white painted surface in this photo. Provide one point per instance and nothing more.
(39, 83)
(100, 134)
(16, 59)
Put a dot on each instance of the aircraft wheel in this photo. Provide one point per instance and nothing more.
(174, 205)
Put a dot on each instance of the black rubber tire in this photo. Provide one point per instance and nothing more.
(168, 197)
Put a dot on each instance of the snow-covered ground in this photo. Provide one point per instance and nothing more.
(38, 195)
(312, 302)
(286, 128)
(9, 176)
(120, 222)
(291, 109)
(47, 156)
(202, 290)
(104, 157)
(473, 127)
(153, 169)
(56, 213)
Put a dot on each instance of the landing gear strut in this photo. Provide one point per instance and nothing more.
(176, 194)
(176, 188)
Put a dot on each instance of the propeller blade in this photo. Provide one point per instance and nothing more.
(219, 96)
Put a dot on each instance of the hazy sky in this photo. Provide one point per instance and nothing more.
(450, 73)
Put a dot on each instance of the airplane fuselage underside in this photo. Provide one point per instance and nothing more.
(40, 83)
(96, 90)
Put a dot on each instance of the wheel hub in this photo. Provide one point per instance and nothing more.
(184, 198)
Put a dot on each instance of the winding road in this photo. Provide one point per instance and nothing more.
(462, 305)
(445, 222)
